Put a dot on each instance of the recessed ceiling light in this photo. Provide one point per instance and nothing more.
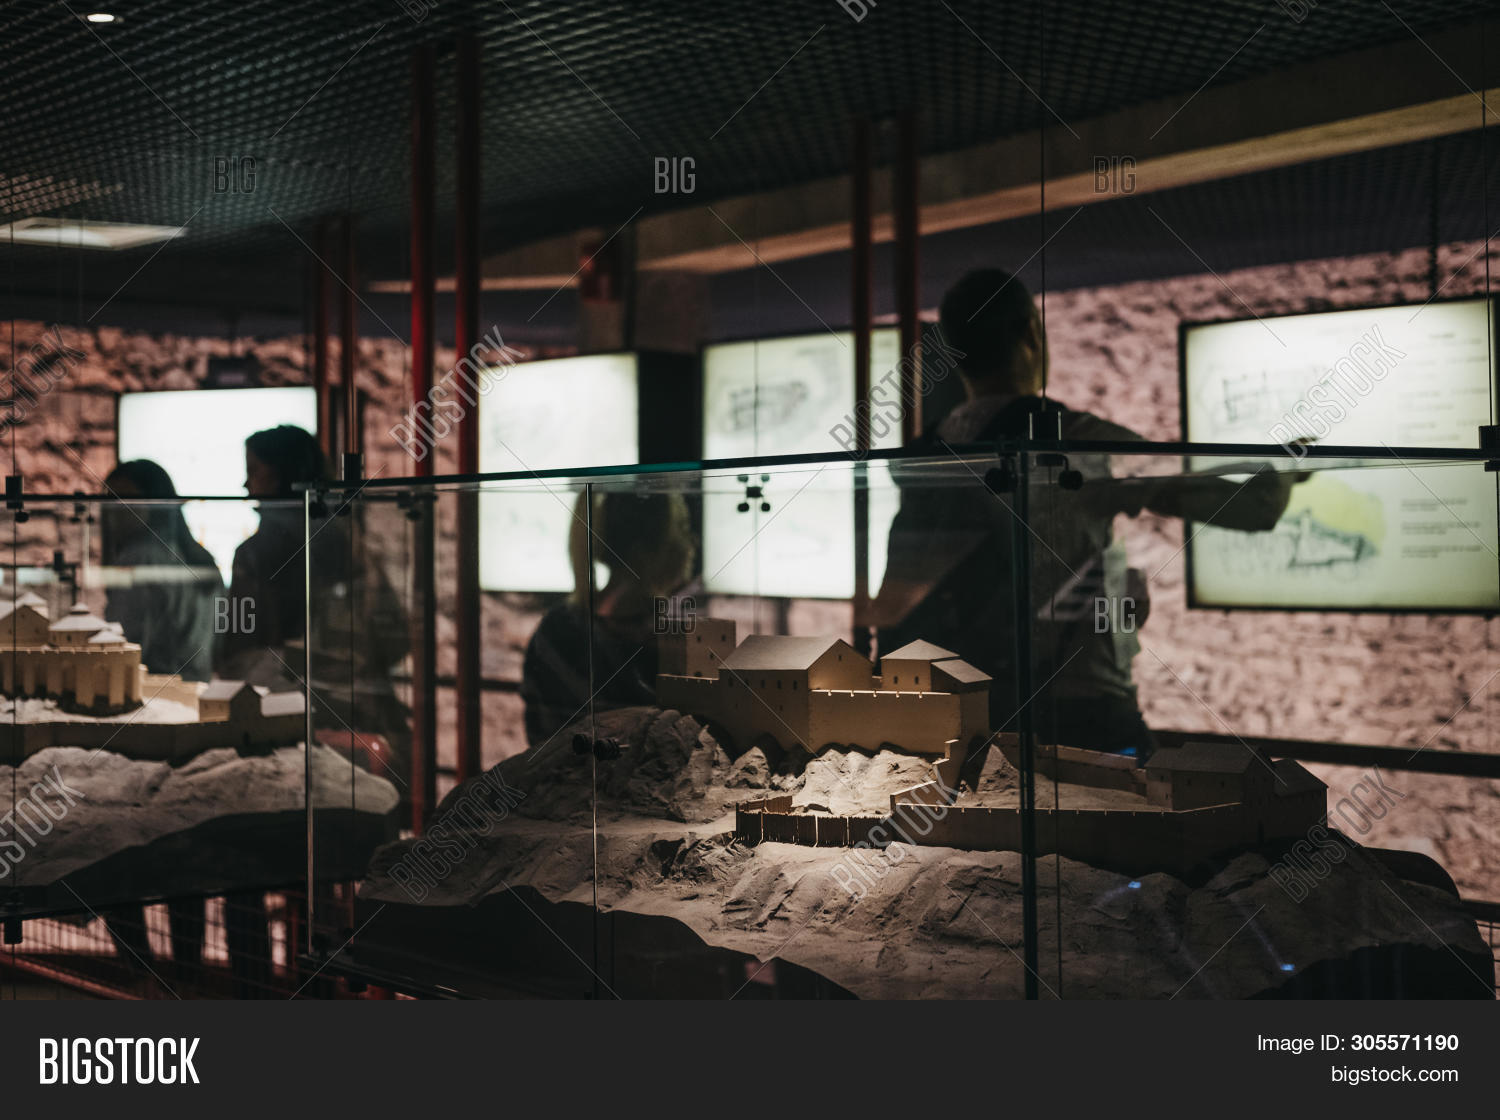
(66, 233)
(102, 17)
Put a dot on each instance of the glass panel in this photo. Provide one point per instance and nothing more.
(463, 811)
(1205, 643)
(129, 779)
(770, 775)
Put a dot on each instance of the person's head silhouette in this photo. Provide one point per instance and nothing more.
(278, 458)
(990, 317)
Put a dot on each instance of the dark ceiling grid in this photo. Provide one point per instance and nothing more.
(321, 105)
(1366, 202)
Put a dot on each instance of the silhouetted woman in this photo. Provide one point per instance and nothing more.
(646, 542)
(266, 583)
(161, 586)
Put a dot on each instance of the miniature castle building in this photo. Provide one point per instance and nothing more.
(23, 623)
(812, 691)
(811, 662)
(87, 664)
(1197, 775)
(695, 647)
(80, 659)
(923, 667)
(112, 635)
(910, 667)
(228, 701)
(76, 627)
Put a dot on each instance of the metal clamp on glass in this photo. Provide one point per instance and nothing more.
(1001, 479)
(13, 497)
(754, 493)
(1489, 440)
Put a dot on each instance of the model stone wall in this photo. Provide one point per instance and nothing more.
(1157, 839)
(90, 679)
(902, 674)
(920, 722)
(754, 707)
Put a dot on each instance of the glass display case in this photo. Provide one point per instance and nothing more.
(1031, 719)
(153, 775)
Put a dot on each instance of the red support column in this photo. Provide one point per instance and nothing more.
(423, 791)
(467, 334)
(862, 257)
(320, 339)
(422, 283)
(908, 275)
(349, 342)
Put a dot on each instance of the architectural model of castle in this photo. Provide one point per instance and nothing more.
(81, 660)
(1186, 804)
(811, 692)
(85, 666)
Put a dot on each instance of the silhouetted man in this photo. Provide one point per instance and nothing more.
(948, 575)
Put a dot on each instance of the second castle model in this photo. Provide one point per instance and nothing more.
(811, 692)
(1186, 804)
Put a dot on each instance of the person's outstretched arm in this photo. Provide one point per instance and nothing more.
(1254, 504)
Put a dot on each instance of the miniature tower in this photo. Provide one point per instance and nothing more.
(695, 647)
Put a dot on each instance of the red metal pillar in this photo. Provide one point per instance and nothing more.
(320, 339)
(422, 283)
(862, 256)
(423, 791)
(908, 275)
(349, 345)
(467, 333)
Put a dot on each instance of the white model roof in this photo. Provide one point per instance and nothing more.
(25, 599)
(775, 652)
(1292, 777)
(1213, 758)
(961, 671)
(79, 618)
(283, 704)
(919, 651)
(222, 690)
(7, 609)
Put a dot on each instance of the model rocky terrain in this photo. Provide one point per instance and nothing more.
(910, 920)
(119, 828)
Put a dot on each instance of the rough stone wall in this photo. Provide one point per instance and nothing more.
(1408, 680)
(65, 442)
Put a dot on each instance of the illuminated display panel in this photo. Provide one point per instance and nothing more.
(548, 415)
(198, 437)
(1369, 538)
(793, 396)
